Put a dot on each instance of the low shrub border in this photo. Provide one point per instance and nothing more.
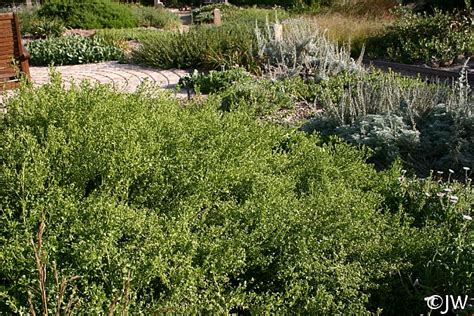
(138, 200)
(71, 50)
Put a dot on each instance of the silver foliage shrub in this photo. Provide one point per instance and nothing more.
(302, 48)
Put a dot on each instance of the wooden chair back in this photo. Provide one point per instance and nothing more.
(13, 56)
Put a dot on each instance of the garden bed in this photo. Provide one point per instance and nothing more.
(433, 74)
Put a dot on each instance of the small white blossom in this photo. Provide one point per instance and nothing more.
(451, 170)
(440, 194)
(439, 172)
(466, 168)
(467, 217)
(427, 194)
(453, 199)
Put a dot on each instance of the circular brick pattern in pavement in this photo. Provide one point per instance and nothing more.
(123, 77)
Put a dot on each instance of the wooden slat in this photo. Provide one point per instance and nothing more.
(6, 16)
(25, 66)
(9, 73)
(5, 34)
(7, 77)
(11, 48)
(9, 85)
(5, 25)
(9, 51)
(6, 60)
(7, 44)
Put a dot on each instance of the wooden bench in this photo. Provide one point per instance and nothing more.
(13, 56)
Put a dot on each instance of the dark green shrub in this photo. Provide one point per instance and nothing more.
(44, 28)
(39, 27)
(89, 14)
(440, 4)
(71, 50)
(26, 18)
(434, 39)
(442, 266)
(202, 47)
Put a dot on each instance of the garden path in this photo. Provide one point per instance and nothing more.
(123, 77)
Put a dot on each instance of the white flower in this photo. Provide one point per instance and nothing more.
(451, 170)
(466, 168)
(440, 194)
(447, 190)
(467, 217)
(439, 172)
(453, 199)
(427, 194)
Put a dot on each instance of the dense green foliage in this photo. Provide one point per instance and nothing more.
(71, 50)
(416, 37)
(237, 88)
(89, 14)
(215, 81)
(164, 208)
(38, 27)
(200, 47)
(441, 4)
(428, 126)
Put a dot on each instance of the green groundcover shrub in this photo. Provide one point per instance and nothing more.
(215, 81)
(89, 14)
(71, 50)
(134, 203)
(238, 88)
(437, 39)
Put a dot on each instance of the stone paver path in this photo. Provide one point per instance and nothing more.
(123, 77)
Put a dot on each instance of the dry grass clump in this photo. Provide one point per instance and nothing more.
(345, 28)
(363, 7)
